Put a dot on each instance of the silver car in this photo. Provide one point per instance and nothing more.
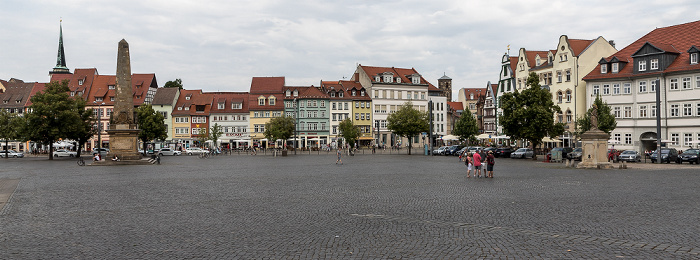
(168, 151)
(630, 156)
(64, 153)
(522, 153)
(11, 153)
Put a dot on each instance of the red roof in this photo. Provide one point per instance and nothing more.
(578, 46)
(228, 98)
(398, 72)
(513, 63)
(262, 85)
(675, 39)
(196, 97)
(530, 55)
(456, 105)
(38, 87)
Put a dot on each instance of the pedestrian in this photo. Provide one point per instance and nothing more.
(490, 161)
(482, 153)
(469, 161)
(339, 160)
(477, 165)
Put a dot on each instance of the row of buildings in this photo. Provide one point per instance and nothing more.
(578, 70)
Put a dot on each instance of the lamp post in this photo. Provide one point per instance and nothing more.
(99, 127)
(296, 119)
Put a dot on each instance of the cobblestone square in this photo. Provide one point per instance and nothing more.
(371, 207)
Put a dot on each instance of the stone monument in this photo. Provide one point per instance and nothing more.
(595, 146)
(123, 131)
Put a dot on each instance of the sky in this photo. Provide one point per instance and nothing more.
(220, 45)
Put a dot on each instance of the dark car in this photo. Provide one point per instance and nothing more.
(453, 149)
(503, 152)
(668, 155)
(461, 151)
(575, 154)
(691, 156)
(490, 149)
(564, 151)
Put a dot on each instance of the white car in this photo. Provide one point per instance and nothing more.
(195, 150)
(168, 151)
(64, 153)
(11, 153)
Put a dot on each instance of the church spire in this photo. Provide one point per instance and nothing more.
(61, 57)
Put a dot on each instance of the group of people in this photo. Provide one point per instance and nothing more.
(477, 161)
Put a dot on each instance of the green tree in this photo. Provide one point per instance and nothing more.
(466, 126)
(203, 137)
(215, 132)
(529, 114)
(281, 127)
(51, 116)
(177, 83)
(349, 131)
(408, 122)
(152, 125)
(10, 128)
(83, 130)
(606, 120)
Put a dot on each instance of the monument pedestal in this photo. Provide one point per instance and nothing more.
(595, 150)
(123, 142)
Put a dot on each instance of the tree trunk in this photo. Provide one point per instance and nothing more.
(534, 151)
(51, 151)
(410, 145)
(7, 150)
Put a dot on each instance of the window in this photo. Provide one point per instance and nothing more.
(603, 68)
(697, 81)
(628, 112)
(674, 84)
(568, 96)
(559, 76)
(687, 138)
(111, 98)
(642, 65)
(688, 109)
(614, 67)
(357, 104)
(653, 111)
(674, 138)
(333, 105)
(560, 117)
(376, 93)
(323, 103)
(642, 111)
(628, 138)
(111, 87)
(685, 82)
(362, 104)
(388, 78)
(357, 116)
(627, 88)
(340, 94)
(654, 64)
(72, 94)
(606, 89)
(354, 93)
(559, 96)
(569, 117)
(272, 101)
(694, 58)
(256, 114)
(652, 86)
(568, 75)
(346, 106)
(261, 101)
(697, 109)
(99, 99)
(675, 110)
(596, 90)
(616, 89)
(617, 138)
(617, 112)
(221, 106)
(362, 93)
(295, 93)
(332, 94)
(642, 87)
(81, 81)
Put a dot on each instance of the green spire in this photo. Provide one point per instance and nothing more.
(61, 57)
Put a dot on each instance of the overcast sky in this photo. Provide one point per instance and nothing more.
(221, 45)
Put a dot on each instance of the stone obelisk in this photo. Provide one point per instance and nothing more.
(123, 132)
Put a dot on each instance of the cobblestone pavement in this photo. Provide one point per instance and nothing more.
(372, 207)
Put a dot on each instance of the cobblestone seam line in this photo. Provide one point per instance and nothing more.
(8, 204)
(574, 238)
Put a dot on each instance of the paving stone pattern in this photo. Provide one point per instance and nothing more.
(371, 207)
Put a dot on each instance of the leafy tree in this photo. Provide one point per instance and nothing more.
(408, 122)
(83, 130)
(349, 131)
(606, 120)
(214, 133)
(52, 114)
(10, 127)
(203, 137)
(281, 127)
(177, 83)
(151, 124)
(529, 114)
(466, 127)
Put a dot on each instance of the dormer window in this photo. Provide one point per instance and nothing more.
(98, 99)
(694, 58)
(295, 93)
(236, 106)
(471, 96)
(221, 106)
(362, 93)
(287, 93)
(332, 94)
(654, 64)
(187, 97)
(537, 61)
(388, 78)
(111, 99)
(72, 93)
(376, 78)
(187, 108)
(179, 108)
(398, 80)
(261, 101)
(111, 87)
(354, 92)
(340, 94)
(642, 65)
(415, 80)
(603, 68)
(81, 81)
(272, 100)
(615, 67)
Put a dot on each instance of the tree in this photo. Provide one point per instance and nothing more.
(203, 137)
(408, 122)
(177, 83)
(51, 116)
(151, 124)
(214, 133)
(83, 130)
(281, 127)
(606, 120)
(10, 128)
(466, 126)
(349, 131)
(530, 115)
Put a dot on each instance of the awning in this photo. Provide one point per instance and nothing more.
(366, 138)
(451, 137)
(550, 140)
(482, 136)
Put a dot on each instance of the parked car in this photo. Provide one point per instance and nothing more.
(490, 149)
(195, 150)
(563, 150)
(64, 153)
(11, 153)
(453, 149)
(102, 151)
(630, 156)
(691, 156)
(473, 149)
(461, 151)
(522, 153)
(440, 151)
(575, 154)
(503, 152)
(668, 155)
(168, 151)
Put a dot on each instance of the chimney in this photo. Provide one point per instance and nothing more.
(612, 42)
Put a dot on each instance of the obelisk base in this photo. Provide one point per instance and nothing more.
(123, 142)
(595, 150)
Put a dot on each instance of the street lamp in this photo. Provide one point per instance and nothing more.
(99, 127)
(296, 118)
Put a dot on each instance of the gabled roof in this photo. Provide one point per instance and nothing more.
(36, 88)
(396, 72)
(513, 63)
(261, 85)
(197, 97)
(476, 91)
(578, 46)
(228, 98)
(679, 37)
(165, 96)
(338, 87)
(456, 105)
(16, 91)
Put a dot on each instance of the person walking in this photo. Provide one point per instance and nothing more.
(469, 161)
(490, 161)
(477, 165)
(482, 153)
(339, 160)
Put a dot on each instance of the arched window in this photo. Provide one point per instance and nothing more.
(559, 96)
(568, 96)
(569, 117)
